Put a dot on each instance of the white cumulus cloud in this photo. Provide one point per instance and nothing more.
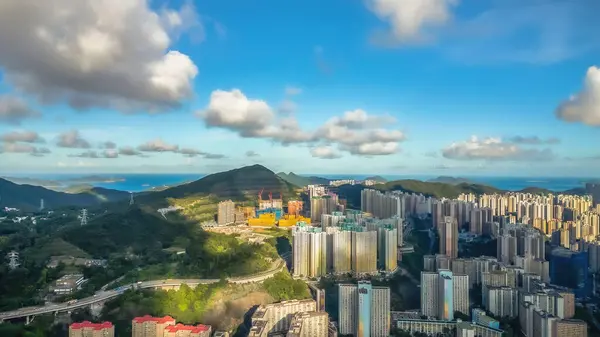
(412, 20)
(355, 131)
(584, 107)
(93, 53)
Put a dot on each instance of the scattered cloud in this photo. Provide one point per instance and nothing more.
(158, 145)
(22, 136)
(251, 154)
(213, 156)
(355, 131)
(23, 148)
(287, 107)
(109, 154)
(514, 31)
(292, 91)
(109, 145)
(14, 110)
(324, 152)
(190, 153)
(533, 140)
(130, 151)
(87, 53)
(72, 139)
(535, 32)
(584, 107)
(493, 149)
(410, 21)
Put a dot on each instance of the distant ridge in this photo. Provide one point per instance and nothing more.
(301, 181)
(450, 180)
(27, 197)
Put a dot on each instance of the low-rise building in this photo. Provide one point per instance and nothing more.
(148, 326)
(89, 329)
(181, 330)
(68, 284)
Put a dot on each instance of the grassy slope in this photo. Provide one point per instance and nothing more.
(27, 197)
(54, 247)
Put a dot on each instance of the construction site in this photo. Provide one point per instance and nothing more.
(268, 213)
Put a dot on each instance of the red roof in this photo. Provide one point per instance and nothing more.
(192, 328)
(159, 320)
(88, 324)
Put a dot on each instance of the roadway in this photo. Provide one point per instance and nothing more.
(104, 295)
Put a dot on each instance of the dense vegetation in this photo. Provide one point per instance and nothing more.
(134, 230)
(186, 305)
(301, 181)
(282, 287)
(27, 197)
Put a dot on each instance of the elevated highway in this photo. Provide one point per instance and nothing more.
(105, 295)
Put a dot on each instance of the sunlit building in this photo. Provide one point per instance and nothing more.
(148, 326)
(89, 329)
(364, 310)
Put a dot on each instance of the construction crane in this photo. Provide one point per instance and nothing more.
(260, 195)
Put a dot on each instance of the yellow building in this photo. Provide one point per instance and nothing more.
(263, 220)
(292, 220)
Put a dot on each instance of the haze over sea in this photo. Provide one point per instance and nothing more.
(142, 182)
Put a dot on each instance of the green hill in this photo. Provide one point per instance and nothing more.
(241, 185)
(27, 197)
(302, 181)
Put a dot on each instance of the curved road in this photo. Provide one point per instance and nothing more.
(104, 295)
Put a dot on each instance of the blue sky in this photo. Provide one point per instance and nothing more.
(446, 87)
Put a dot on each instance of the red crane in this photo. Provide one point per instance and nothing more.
(260, 195)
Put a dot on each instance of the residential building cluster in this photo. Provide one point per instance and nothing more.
(296, 318)
(144, 326)
(480, 326)
(346, 243)
(269, 213)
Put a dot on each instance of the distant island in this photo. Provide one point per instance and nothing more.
(94, 179)
(378, 179)
(60, 184)
(450, 180)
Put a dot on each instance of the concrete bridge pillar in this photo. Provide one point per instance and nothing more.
(96, 309)
(27, 321)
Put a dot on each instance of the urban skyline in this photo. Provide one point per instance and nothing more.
(193, 87)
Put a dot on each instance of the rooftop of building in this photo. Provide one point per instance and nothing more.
(70, 277)
(298, 320)
(257, 327)
(148, 318)
(90, 325)
(192, 328)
